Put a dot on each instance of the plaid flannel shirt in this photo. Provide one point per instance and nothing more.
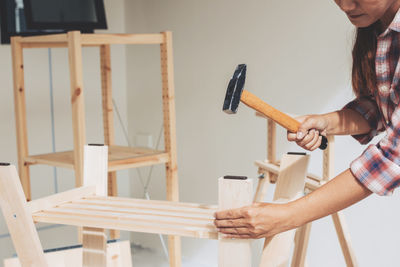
(378, 168)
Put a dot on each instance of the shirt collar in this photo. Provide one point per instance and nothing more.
(395, 25)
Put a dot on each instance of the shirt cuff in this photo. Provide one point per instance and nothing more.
(379, 174)
(368, 109)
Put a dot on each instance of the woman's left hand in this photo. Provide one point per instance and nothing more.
(255, 221)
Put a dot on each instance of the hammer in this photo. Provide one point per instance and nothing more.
(235, 94)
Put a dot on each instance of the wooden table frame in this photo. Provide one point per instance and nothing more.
(89, 207)
(270, 168)
(120, 157)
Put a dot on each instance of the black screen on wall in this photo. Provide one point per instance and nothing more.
(65, 14)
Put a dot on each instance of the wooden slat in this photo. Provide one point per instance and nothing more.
(20, 113)
(44, 45)
(103, 39)
(149, 205)
(137, 211)
(158, 202)
(129, 216)
(126, 225)
(60, 198)
(50, 38)
(119, 158)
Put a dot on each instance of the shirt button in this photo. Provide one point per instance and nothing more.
(383, 88)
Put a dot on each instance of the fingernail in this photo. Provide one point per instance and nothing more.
(299, 135)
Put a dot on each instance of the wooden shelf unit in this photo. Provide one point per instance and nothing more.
(120, 157)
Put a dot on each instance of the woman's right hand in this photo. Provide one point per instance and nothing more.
(308, 135)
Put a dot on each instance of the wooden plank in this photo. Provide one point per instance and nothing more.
(108, 116)
(300, 246)
(120, 158)
(118, 255)
(312, 181)
(139, 161)
(19, 220)
(44, 45)
(129, 215)
(290, 185)
(344, 239)
(95, 174)
(20, 113)
(104, 39)
(77, 102)
(150, 205)
(338, 218)
(168, 99)
(60, 198)
(234, 194)
(125, 225)
(49, 38)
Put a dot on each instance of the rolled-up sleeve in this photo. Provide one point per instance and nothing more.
(367, 107)
(378, 168)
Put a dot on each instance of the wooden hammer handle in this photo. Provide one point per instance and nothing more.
(277, 116)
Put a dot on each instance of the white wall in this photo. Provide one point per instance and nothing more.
(298, 57)
(38, 109)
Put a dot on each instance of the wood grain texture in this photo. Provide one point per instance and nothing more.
(277, 116)
(234, 194)
(19, 219)
(289, 186)
(95, 173)
(118, 255)
(168, 99)
(108, 117)
(77, 102)
(20, 113)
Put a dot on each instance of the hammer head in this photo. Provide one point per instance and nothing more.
(235, 89)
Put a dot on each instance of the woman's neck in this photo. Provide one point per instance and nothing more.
(388, 17)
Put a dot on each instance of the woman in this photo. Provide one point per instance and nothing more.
(376, 83)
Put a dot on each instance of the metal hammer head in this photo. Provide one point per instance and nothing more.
(235, 89)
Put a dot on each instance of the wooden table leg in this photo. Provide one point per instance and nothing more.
(168, 97)
(20, 114)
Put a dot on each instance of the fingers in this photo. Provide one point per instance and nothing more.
(235, 231)
(317, 144)
(231, 223)
(310, 140)
(230, 214)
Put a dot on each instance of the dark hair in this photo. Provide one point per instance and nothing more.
(364, 50)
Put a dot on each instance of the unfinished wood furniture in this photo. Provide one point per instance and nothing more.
(289, 186)
(89, 207)
(119, 157)
(270, 168)
(118, 255)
